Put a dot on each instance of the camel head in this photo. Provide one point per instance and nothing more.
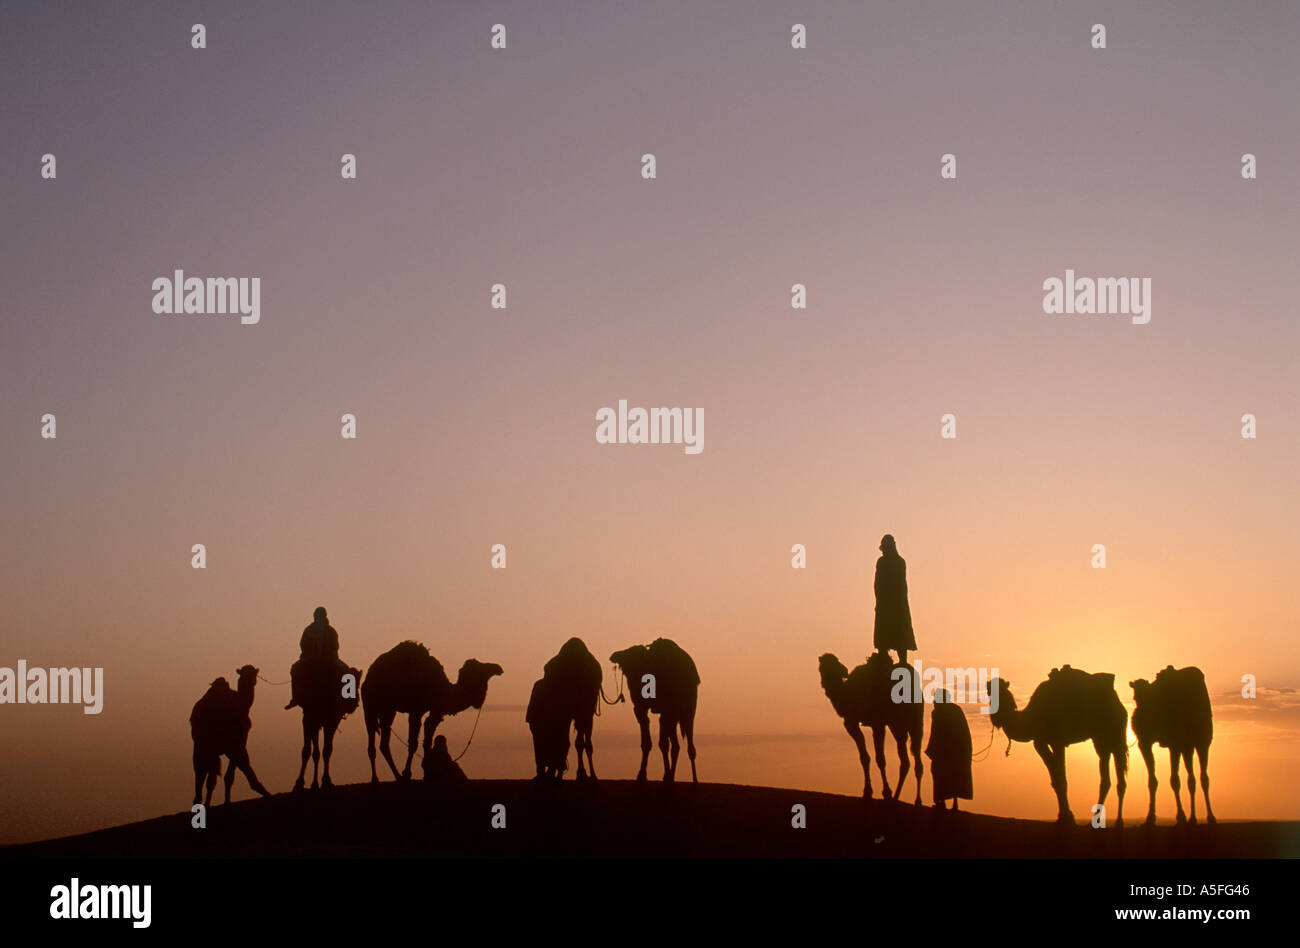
(1141, 690)
(473, 678)
(631, 658)
(349, 704)
(247, 675)
(831, 670)
(1005, 702)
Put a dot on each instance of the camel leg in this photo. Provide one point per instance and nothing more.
(200, 771)
(864, 758)
(904, 766)
(412, 737)
(878, 741)
(386, 744)
(1176, 783)
(212, 783)
(1103, 789)
(1203, 754)
(329, 749)
(372, 726)
(920, 767)
(688, 732)
(241, 761)
(675, 743)
(588, 726)
(1149, 759)
(230, 778)
(1191, 783)
(1063, 797)
(315, 759)
(643, 719)
(666, 727)
(581, 739)
(591, 751)
(306, 744)
(1121, 781)
(1054, 761)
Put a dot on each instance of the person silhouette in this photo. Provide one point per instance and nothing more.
(438, 765)
(548, 721)
(319, 650)
(893, 617)
(949, 751)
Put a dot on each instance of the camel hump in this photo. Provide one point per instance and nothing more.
(1078, 676)
(1183, 686)
(576, 657)
(406, 654)
(212, 705)
(666, 653)
(409, 649)
(1185, 676)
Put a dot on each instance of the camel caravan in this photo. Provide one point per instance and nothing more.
(883, 694)
(1071, 706)
(408, 680)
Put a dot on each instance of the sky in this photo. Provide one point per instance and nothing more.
(475, 426)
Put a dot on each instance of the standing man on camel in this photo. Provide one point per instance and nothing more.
(893, 616)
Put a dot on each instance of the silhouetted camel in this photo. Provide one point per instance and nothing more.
(219, 725)
(865, 697)
(574, 675)
(320, 693)
(1071, 706)
(548, 719)
(1174, 712)
(672, 692)
(407, 678)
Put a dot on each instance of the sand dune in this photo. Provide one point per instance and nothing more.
(625, 819)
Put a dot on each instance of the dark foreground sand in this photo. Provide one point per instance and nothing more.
(619, 818)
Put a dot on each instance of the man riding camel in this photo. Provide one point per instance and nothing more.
(319, 646)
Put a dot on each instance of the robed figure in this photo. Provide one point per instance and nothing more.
(949, 750)
(318, 661)
(893, 617)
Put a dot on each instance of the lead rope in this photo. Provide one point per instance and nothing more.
(471, 736)
(982, 755)
(420, 752)
(618, 676)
